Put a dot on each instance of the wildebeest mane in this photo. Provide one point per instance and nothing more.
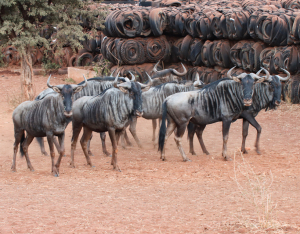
(105, 78)
(213, 85)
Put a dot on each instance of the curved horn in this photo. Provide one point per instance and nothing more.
(241, 76)
(150, 80)
(155, 67)
(115, 83)
(111, 74)
(229, 73)
(197, 80)
(178, 73)
(257, 73)
(85, 82)
(132, 76)
(267, 77)
(48, 82)
(286, 78)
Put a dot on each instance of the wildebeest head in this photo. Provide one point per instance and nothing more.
(134, 89)
(167, 75)
(247, 81)
(275, 86)
(66, 93)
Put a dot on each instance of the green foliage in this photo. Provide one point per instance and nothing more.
(102, 68)
(70, 81)
(23, 23)
(48, 65)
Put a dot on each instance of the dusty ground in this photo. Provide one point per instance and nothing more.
(151, 196)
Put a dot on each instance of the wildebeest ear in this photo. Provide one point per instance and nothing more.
(77, 89)
(123, 90)
(56, 89)
(260, 80)
(236, 79)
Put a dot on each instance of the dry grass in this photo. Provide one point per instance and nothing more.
(256, 189)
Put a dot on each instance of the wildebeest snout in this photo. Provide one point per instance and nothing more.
(247, 102)
(139, 113)
(68, 113)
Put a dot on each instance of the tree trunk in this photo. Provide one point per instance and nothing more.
(26, 74)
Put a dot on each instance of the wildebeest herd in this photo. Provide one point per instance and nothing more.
(111, 104)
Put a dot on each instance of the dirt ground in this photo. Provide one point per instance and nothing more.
(206, 195)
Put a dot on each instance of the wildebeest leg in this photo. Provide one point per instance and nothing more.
(199, 132)
(112, 135)
(52, 154)
(25, 146)
(178, 136)
(76, 130)
(120, 135)
(57, 146)
(89, 146)
(254, 123)
(170, 129)
(128, 142)
(245, 134)
(18, 137)
(103, 136)
(226, 127)
(61, 139)
(154, 125)
(191, 132)
(83, 141)
(40, 140)
(132, 129)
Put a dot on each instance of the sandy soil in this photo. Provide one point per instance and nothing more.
(205, 195)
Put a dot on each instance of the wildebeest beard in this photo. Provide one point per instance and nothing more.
(136, 94)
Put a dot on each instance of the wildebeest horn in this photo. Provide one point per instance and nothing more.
(286, 78)
(267, 76)
(85, 82)
(115, 83)
(257, 73)
(132, 76)
(198, 82)
(155, 67)
(229, 73)
(48, 82)
(149, 83)
(178, 73)
(150, 80)
(112, 73)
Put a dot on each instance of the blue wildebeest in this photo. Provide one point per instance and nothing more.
(154, 98)
(94, 87)
(223, 100)
(109, 111)
(266, 95)
(46, 117)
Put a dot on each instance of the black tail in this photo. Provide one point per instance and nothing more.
(40, 141)
(162, 130)
(191, 130)
(21, 144)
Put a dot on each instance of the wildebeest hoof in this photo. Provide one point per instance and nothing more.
(90, 153)
(258, 152)
(187, 160)
(207, 153)
(65, 155)
(109, 155)
(227, 158)
(45, 154)
(72, 165)
(245, 152)
(56, 175)
(193, 153)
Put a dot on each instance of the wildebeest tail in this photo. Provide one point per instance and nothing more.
(21, 144)
(191, 130)
(40, 141)
(163, 128)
